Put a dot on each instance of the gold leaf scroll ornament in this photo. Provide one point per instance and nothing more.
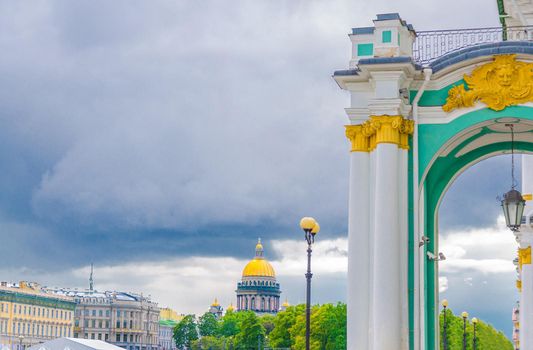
(499, 84)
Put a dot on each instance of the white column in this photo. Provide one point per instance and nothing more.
(525, 238)
(358, 298)
(526, 295)
(387, 270)
(403, 227)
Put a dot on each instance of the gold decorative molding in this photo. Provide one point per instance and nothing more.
(380, 129)
(519, 285)
(524, 256)
(499, 84)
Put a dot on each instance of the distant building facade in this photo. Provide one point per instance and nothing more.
(168, 319)
(29, 315)
(166, 334)
(516, 326)
(258, 290)
(127, 320)
(216, 309)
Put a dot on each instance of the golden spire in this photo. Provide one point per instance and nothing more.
(286, 303)
(215, 303)
(230, 307)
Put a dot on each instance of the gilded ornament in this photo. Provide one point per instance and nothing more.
(524, 256)
(499, 84)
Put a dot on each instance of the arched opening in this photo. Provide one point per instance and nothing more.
(450, 149)
(478, 275)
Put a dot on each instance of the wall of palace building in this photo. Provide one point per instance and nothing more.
(124, 319)
(29, 315)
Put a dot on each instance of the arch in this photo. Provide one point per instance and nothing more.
(450, 149)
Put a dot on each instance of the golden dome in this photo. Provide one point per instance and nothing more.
(286, 303)
(230, 307)
(215, 303)
(258, 266)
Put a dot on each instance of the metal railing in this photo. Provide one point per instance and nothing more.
(430, 45)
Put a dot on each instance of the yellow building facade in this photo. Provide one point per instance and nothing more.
(30, 316)
(169, 314)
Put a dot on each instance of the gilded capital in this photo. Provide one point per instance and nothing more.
(380, 129)
(519, 285)
(357, 138)
(524, 256)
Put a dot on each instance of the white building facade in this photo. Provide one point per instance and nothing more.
(127, 320)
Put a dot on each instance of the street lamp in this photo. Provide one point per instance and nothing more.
(512, 202)
(21, 338)
(474, 322)
(311, 228)
(465, 317)
(444, 332)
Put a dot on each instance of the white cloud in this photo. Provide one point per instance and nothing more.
(443, 284)
(486, 250)
(189, 285)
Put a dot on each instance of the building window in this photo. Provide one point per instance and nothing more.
(118, 338)
(100, 313)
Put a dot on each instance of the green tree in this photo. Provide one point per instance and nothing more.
(185, 332)
(488, 338)
(328, 328)
(268, 323)
(229, 324)
(208, 325)
(280, 337)
(208, 343)
(251, 334)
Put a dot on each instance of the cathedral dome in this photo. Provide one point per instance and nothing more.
(258, 266)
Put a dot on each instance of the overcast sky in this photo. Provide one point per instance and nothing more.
(160, 139)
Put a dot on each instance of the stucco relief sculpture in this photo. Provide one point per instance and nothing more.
(499, 84)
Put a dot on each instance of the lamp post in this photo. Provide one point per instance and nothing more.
(513, 203)
(465, 317)
(474, 322)
(444, 325)
(21, 338)
(311, 228)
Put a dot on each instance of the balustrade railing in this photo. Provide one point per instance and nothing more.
(430, 45)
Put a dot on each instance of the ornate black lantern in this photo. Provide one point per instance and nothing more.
(512, 203)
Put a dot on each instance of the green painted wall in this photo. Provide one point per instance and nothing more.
(434, 97)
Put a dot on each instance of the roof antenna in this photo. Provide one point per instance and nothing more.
(91, 280)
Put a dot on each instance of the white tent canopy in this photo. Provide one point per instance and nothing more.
(74, 344)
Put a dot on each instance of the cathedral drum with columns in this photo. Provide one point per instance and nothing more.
(258, 290)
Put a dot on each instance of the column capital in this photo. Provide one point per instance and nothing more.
(524, 256)
(380, 129)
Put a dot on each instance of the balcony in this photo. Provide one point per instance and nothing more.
(430, 45)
